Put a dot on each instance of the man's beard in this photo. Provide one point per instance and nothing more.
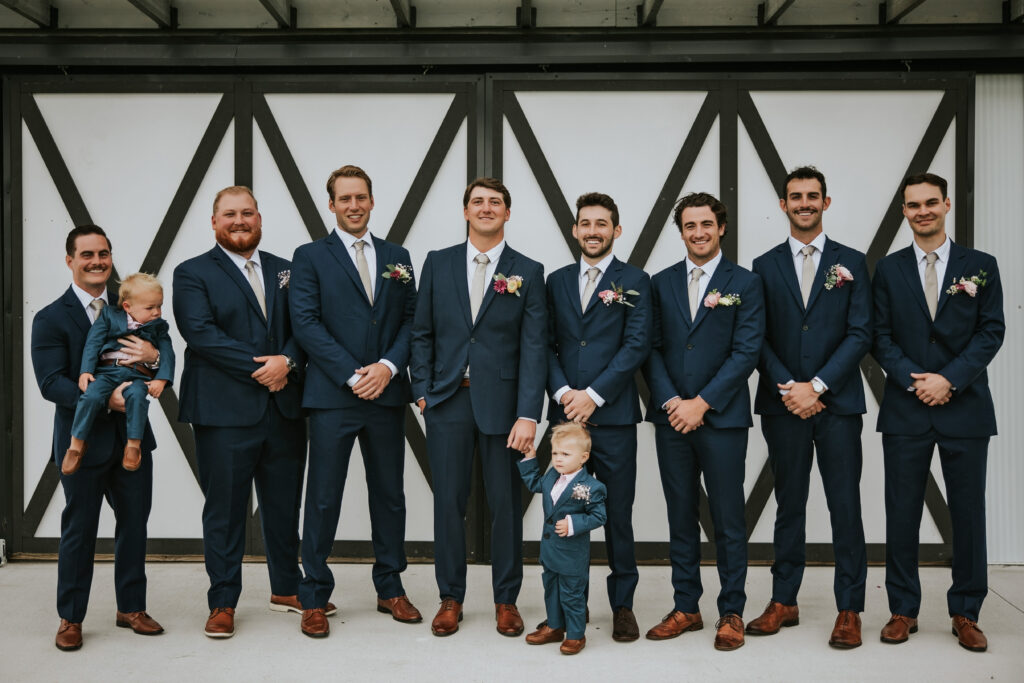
(239, 242)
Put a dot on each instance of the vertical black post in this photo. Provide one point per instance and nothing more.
(728, 176)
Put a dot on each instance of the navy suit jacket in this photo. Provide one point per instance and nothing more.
(504, 348)
(58, 340)
(712, 356)
(603, 347)
(566, 554)
(112, 324)
(959, 344)
(217, 314)
(334, 321)
(827, 340)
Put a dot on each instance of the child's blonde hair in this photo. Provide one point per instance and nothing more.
(135, 283)
(571, 431)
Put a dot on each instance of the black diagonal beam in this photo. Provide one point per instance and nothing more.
(418, 443)
(762, 141)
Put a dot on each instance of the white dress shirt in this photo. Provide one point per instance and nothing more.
(86, 298)
(559, 487)
(796, 245)
(493, 254)
(240, 260)
(940, 264)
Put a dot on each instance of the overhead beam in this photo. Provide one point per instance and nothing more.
(769, 11)
(647, 12)
(405, 13)
(160, 11)
(283, 12)
(526, 15)
(1013, 11)
(892, 11)
(39, 12)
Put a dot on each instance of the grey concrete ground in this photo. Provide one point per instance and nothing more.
(367, 646)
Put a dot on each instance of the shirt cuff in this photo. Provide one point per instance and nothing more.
(822, 382)
(596, 397)
(568, 519)
(390, 366)
(665, 404)
(557, 396)
(783, 392)
(527, 418)
(354, 379)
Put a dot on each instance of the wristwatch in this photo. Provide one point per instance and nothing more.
(818, 386)
(155, 365)
(291, 362)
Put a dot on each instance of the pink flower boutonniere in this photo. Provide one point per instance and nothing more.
(581, 492)
(970, 285)
(398, 271)
(837, 275)
(508, 285)
(283, 278)
(615, 295)
(716, 298)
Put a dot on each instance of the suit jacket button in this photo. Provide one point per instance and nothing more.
(472, 340)
(805, 328)
(373, 322)
(689, 347)
(931, 340)
(547, 534)
(583, 343)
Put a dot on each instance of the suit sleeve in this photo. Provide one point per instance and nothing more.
(94, 343)
(844, 362)
(747, 335)
(533, 350)
(421, 339)
(886, 351)
(530, 472)
(556, 375)
(399, 351)
(52, 363)
(636, 345)
(987, 337)
(166, 349)
(194, 316)
(769, 364)
(655, 370)
(594, 514)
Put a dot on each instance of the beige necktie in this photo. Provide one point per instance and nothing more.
(693, 289)
(257, 286)
(807, 275)
(588, 291)
(364, 270)
(476, 293)
(96, 305)
(931, 286)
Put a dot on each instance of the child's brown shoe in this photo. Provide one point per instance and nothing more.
(72, 460)
(132, 458)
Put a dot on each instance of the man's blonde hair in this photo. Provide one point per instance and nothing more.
(234, 189)
(573, 431)
(135, 283)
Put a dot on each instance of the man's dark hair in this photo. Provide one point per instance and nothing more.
(695, 199)
(919, 178)
(804, 173)
(490, 184)
(79, 231)
(597, 199)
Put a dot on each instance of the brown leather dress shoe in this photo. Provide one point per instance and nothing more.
(846, 633)
(72, 461)
(572, 647)
(132, 458)
(730, 633)
(446, 622)
(69, 635)
(314, 623)
(140, 622)
(674, 624)
(970, 636)
(221, 622)
(898, 628)
(400, 609)
(775, 616)
(545, 634)
(290, 603)
(624, 626)
(509, 622)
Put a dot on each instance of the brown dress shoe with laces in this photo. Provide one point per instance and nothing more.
(71, 462)
(132, 458)
(545, 634)
(846, 633)
(69, 635)
(509, 622)
(624, 626)
(730, 633)
(898, 628)
(221, 622)
(674, 624)
(400, 609)
(969, 635)
(140, 622)
(290, 603)
(572, 647)
(775, 616)
(446, 621)
(314, 623)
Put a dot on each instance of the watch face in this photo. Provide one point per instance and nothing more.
(817, 386)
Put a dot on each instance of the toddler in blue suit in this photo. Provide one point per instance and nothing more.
(574, 504)
(140, 299)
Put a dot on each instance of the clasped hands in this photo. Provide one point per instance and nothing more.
(801, 400)
(578, 405)
(274, 373)
(686, 415)
(374, 379)
(932, 388)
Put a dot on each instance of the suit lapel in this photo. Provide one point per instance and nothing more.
(907, 264)
(76, 312)
(607, 278)
(678, 286)
(225, 263)
(506, 266)
(459, 280)
(269, 283)
(570, 285)
(550, 477)
(784, 262)
(954, 271)
(719, 281)
(829, 257)
(340, 253)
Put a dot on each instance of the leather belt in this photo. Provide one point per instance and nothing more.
(137, 367)
(464, 382)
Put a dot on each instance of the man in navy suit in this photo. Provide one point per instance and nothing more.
(938, 324)
(58, 338)
(478, 371)
(353, 297)
(708, 328)
(241, 391)
(810, 398)
(597, 342)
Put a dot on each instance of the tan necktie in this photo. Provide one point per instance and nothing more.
(476, 293)
(364, 270)
(807, 275)
(257, 286)
(96, 305)
(693, 289)
(931, 285)
(588, 291)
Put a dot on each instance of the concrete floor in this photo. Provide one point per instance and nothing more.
(367, 646)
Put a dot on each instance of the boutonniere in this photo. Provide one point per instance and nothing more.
(716, 298)
(615, 295)
(507, 285)
(283, 278)
(398, 271)
(581, 492)
(970, 285)
(837, 275)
